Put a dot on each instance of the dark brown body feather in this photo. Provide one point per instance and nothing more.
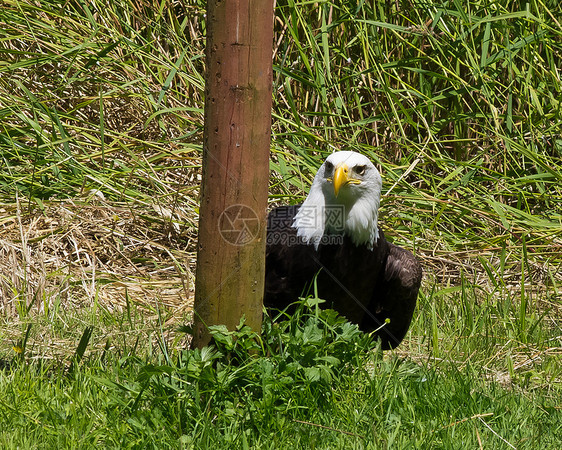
(366, 286)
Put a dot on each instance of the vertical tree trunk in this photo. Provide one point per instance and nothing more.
(231, 248)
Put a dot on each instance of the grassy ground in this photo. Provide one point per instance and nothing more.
(100, 146)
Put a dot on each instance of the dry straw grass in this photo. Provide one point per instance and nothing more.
(90, 250)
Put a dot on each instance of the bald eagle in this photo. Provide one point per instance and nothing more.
(334, 236)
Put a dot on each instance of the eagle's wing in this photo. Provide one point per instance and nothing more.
(289, 263)
(395, 297)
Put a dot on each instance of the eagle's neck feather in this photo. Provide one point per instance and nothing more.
(361, 222)
(359, 218)
(310, 220)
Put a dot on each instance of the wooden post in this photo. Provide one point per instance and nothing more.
(232, 217)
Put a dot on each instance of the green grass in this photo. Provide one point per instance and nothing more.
(317, 382)
(101, 120)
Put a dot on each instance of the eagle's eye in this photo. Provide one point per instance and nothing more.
(329, 167)
(360, 170)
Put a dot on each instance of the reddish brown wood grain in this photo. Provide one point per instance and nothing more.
(231, 247)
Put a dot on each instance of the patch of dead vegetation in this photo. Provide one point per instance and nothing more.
(78, 252)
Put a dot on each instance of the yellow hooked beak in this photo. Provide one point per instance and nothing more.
(341, 178)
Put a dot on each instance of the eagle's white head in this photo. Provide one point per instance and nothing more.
(344, 199)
